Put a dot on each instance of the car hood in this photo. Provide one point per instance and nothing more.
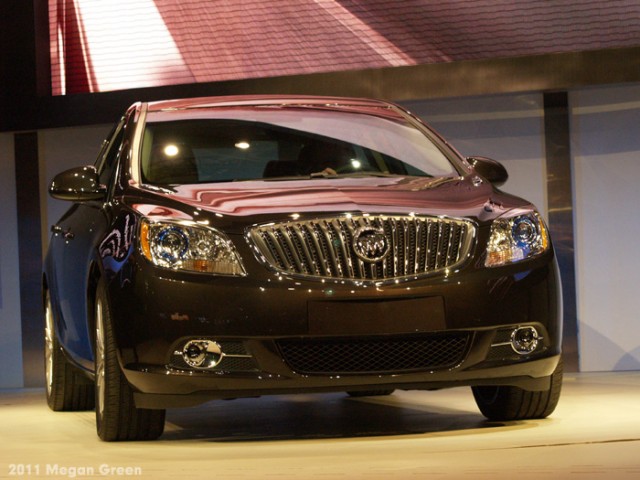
(270, 200)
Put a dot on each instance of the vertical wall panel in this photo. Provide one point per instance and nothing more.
(606, 158)
(10, 328)
(560, 204)
(30, 257)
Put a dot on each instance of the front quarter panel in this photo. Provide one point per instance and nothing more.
(71, 255)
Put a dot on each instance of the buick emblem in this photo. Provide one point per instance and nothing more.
(370, 244)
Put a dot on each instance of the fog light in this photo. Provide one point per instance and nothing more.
(202, 353)
(524, 340)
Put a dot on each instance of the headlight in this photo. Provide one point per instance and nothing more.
(188, 246)
(516, 238)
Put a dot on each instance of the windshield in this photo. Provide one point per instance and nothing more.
(275, 143)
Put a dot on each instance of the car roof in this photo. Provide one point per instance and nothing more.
(263, 100)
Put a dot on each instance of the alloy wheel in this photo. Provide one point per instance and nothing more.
(100, 367)
(48, 345)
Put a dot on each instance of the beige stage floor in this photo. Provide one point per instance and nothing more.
(594, 433)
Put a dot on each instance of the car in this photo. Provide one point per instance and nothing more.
(229, 247)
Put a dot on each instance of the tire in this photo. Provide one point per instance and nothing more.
(512, 403)
(371, 393)
(117, 418)
(67, 389)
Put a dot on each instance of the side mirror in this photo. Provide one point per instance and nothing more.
(490, 169)
(78, 185)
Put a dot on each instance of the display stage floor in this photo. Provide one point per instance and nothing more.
(594, 433)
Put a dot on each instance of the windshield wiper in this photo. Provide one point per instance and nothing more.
(331, 174)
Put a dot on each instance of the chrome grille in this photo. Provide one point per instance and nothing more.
(324, 248)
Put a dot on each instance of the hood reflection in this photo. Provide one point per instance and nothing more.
(388, 194)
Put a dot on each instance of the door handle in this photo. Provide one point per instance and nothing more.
(57, 230)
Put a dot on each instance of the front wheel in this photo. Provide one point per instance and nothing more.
(117, 417)
(513, 403)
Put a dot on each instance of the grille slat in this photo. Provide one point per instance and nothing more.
(334, 253)
(439, 243)
(324, 248)
(407, 245)
(418, 254)
(309, 262)
(319, 251)
(293, 250)
(341, 237)
(374, 356)
(276, 250)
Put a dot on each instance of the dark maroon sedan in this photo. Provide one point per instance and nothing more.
(246, 246)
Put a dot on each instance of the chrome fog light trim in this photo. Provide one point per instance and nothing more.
(523, 340)
(202, 353)
(205, 354)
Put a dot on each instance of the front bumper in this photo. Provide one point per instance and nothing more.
(156, 312)
(172, 390)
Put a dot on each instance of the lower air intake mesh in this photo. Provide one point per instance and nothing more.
(360, 356)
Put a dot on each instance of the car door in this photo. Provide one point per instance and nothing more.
(76, 236)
